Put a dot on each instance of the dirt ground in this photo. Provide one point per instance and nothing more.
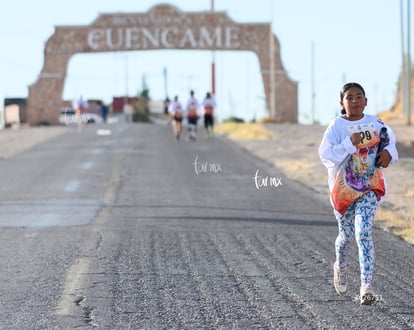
(16, 140)
(294, 149)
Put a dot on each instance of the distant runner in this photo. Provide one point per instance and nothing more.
(209, 105)
(176, 111)
(80, 106)
(192, 112)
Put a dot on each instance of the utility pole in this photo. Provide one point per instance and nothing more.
(213, 66)
(190, 78)
(126, 80)
(406, 63)
(403, 77)
(165, 82)
(408, 66)
(272, 105)
(313, 82)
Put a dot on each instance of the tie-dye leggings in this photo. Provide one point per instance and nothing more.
(358, 220)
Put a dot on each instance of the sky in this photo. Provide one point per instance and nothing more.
(324, 43)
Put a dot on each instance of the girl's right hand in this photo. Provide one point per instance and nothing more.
(355, 138)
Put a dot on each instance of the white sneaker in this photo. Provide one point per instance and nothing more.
(367, 295)
(340, 280)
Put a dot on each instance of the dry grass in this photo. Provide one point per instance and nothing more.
(241, 131)
(410, 192)
(394, 223)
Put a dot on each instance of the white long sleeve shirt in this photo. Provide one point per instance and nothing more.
(192, 108)
(176, 107)
(336, 146)
(209, 104)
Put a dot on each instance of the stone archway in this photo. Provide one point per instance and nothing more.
(161, 27)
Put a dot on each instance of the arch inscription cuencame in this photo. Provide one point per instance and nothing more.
(161, 27)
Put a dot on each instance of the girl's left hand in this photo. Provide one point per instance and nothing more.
(383, 158)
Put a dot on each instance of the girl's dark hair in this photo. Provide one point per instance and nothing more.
(345, 88)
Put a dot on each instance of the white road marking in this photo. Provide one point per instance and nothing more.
(103, 132)
(73, 285)
(72, 186)
(87, 165)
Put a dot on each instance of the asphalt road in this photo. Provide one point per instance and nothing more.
(135, 230)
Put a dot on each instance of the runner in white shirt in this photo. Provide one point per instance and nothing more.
(80, 106)
(192, 114)
(209, 104)
(355, 147)
(177, 114)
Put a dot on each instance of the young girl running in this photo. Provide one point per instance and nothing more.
(354, 148)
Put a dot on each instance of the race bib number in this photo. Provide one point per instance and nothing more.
(369, 135)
